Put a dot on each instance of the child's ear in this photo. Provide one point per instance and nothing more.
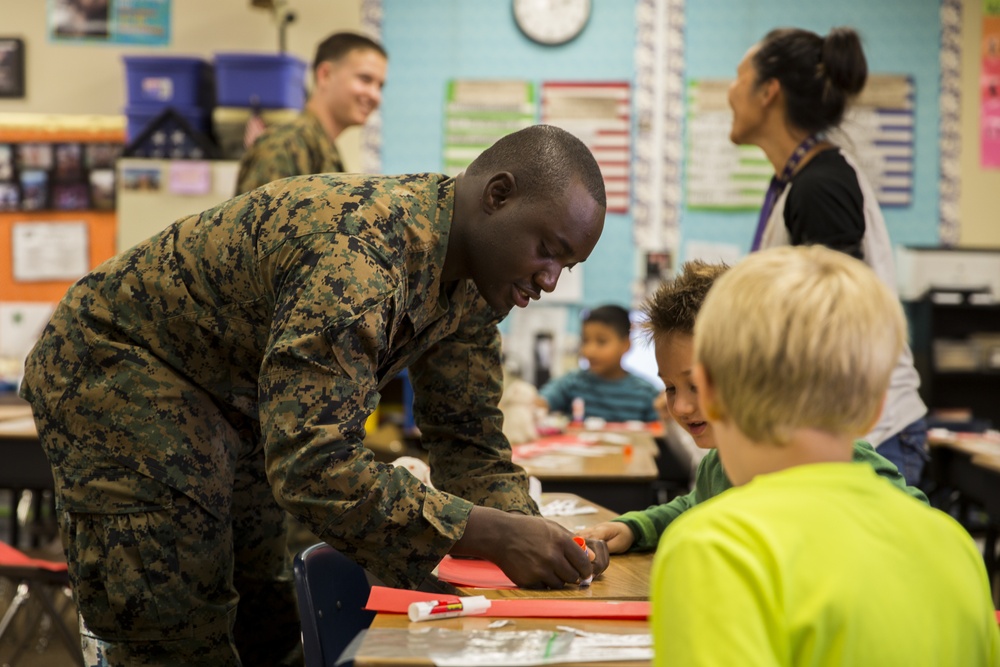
(708, 398)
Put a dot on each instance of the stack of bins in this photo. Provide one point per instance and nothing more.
(156, 83)
(271, 84)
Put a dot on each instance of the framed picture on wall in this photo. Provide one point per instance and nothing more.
(11, 67)
(10, 197)
(6, 162)
(68, 162)
(34, 190)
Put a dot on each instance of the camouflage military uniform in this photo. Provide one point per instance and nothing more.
(293, 149)
(236, 355)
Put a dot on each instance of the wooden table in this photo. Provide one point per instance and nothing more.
(627, 578)
(620, 479)
(367, 656)
(970, 464)
(952, 466)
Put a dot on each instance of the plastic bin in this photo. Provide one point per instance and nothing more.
(268, 80)
(177, 81)
(140, 116)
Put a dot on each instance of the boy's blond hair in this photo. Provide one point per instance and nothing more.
(799, 337)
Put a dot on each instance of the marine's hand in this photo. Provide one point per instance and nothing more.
(617, 535)
(533, 552)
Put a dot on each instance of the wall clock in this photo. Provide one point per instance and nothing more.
(551, 22)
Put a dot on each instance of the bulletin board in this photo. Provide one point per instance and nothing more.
(58, 220)
(47, 135)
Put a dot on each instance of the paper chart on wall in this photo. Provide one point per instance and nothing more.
(877, 132)
(599, 114)
(478, 113)
(50, 251)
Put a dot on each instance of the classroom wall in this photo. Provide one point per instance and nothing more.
(432, 42)
(90, 78)
(900, 35)
(68, 78)
(980, 227)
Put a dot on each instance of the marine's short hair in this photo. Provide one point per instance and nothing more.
(612, 316)
(339, 44)
(543, 160)
(674, 305)
(799, 337)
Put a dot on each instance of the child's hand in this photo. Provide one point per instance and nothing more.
(616, 534)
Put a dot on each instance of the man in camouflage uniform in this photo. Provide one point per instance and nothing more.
(348, 74)
(189, 390)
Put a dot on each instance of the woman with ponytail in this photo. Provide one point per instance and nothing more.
(792, 88)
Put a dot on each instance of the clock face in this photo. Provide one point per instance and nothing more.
(551, 21)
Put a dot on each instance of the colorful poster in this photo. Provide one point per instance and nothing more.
(144, 22)
(989, 93)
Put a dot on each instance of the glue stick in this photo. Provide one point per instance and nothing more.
(433, 609)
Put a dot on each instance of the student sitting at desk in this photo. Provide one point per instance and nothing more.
(812, 559)
(607, 390)
(671, 315)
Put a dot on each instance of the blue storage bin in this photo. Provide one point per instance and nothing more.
(177, 81)
(268, 80)
(139, 116)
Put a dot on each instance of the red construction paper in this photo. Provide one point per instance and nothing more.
(473, 572)
(397, 601)
(11, 557)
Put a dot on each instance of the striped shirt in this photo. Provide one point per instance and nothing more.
(626, 399)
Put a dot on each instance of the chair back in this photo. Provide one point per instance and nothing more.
(332, 591)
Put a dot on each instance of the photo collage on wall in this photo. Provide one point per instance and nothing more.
(70, 176)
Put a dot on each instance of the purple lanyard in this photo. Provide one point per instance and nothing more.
(778, 184)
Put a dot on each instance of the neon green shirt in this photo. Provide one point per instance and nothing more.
(710, 480)
(796, 568)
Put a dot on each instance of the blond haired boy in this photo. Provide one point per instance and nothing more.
(813, 560)
(671, 315)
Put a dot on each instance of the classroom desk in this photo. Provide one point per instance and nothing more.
(366, 657)
(952, 466)
(627, 578)
(620, 479)
(970, 464)
(25, 466)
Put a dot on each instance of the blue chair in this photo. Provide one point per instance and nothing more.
(332, 591)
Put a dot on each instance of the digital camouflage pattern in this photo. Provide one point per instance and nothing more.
(236, 355)
(290, 149)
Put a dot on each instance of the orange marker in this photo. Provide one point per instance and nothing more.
(583, 545)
